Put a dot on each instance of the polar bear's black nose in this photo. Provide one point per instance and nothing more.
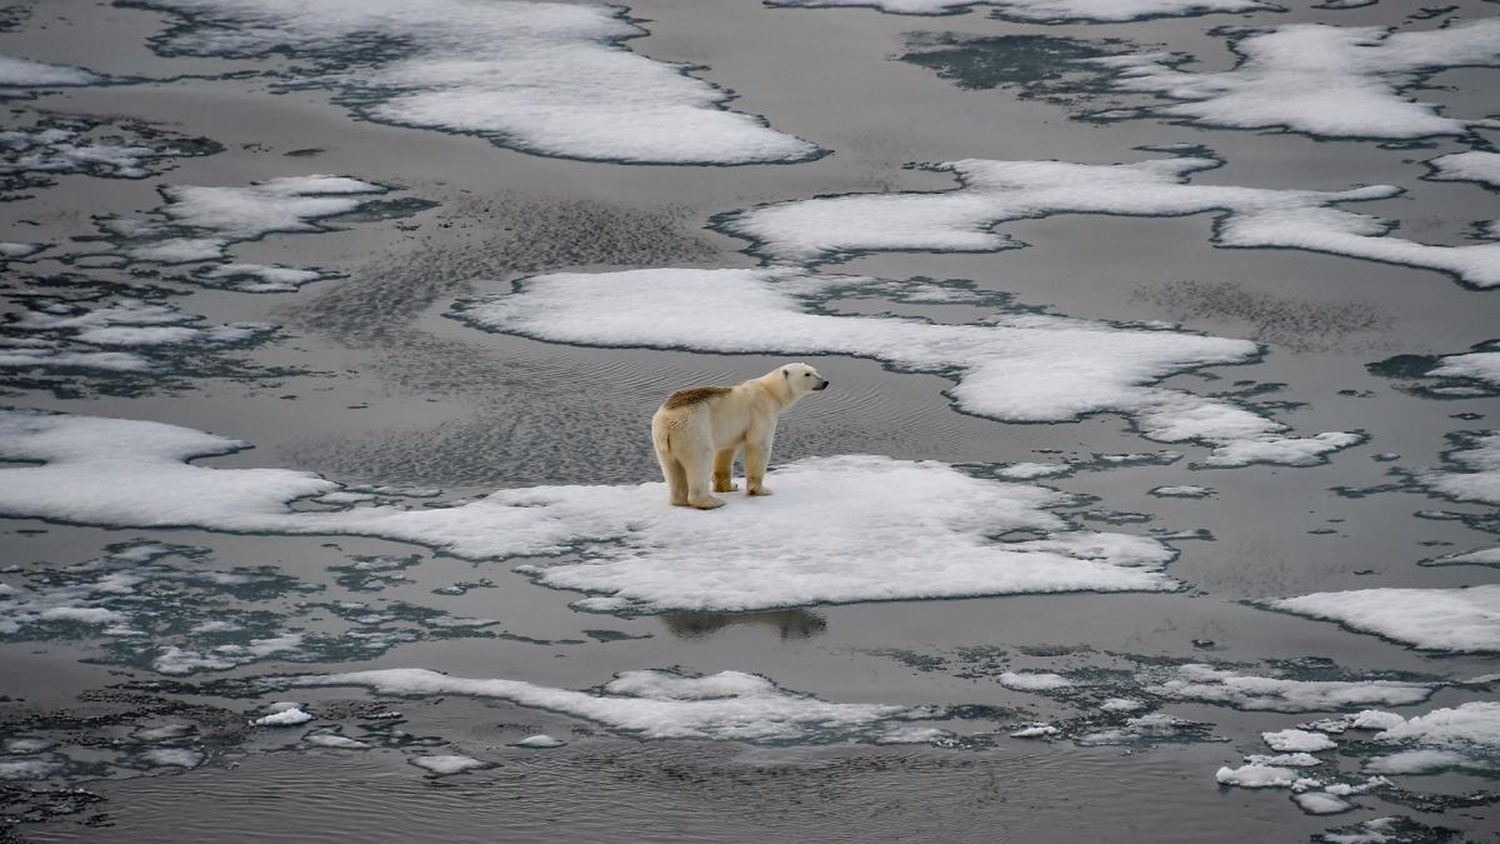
(822, 386)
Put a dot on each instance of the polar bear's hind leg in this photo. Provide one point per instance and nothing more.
(724, 471)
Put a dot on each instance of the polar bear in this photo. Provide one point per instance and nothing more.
(697, 431)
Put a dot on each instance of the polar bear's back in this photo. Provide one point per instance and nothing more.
(692, 396)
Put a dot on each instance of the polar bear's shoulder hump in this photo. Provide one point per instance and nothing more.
(693, 395)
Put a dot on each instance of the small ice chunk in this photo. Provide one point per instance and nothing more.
(335, 740)
(1034, 681)
(1182, 491)
(172, 757)
(24, 73)
(1465, 620)
(1035, 731)
(1285, 760)
(283, 718)
(1321, 803)
(22, 745)
(1243, 691)
(1122, 704)
(443, 766)
(1032, 471)
(1256, 776)
(541, 740)
(1298, 741)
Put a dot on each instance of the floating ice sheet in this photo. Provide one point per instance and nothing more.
(24, 73)
(1050, 11)
(1454, 620)
(887, 529)
(1013, 367)
(1462, 737)
(1322, 80)
(728, 706)
(550, 78)
(1242, 691)
(1478, 470)
(1471, 166)
(994, 192)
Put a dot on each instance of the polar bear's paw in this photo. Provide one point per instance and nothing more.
(708, 503)
(758, 490)
(726, 486)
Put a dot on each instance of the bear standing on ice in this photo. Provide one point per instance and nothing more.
(698, 430)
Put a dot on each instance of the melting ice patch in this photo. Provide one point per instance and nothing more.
(52, 146)
(888, 529)
(124, 335)
(550, 78)
(1462, 737)
(1208, 684)
(1322, 80)
(24, 73)
(1456, 620)
(995, 192)
(1471, 166)
(1050, 11)
(1013, 367)
(1471, 374)
(728, 706)
(1477, 470)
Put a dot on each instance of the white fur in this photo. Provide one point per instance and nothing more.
(697, 442)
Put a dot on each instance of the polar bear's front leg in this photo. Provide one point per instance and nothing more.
(757, 456)
(723, 469)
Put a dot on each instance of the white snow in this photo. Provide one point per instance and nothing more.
(1285, 760)
(1035, 731)
(1013, 367)
(540, 741)
(28, 769)
(995, 192)
(1319, 79)
(1122, 704)
(1050, 11)
(888, 529)
(1481, 366)
(81, 615)
(447, 765)
(173, 757)
(545, 77)
(1418, 762)
(1155, 726)
(655, 704)
(24, 73)
(1182, 491)
(258, 278)
(1477, 557)
(1463, 737)
(67, 150)
(1034, 681)
(1479, 478)
(1471, 166)
(1321, 803)
(1298, 741)
(1032, 471)
(334, 740)
(283, 718)
(1256, 776)
(1214, 685)
(1463, 620)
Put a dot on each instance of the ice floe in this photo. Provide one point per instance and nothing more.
(728, 706)
(172, 757)
(550, 78)
(1465, 736)
(1257, 776)
(1393, 829)
(24, 73)
(449, 764)
(993, 192)
(1321, 803)
(1476, 475)
(541, 741)
(1455, 620)
(120, 335)
(1181, 491)
(283, 714)
(1016, 367)
(1470, 166)
(1298, 741)
(31, 155)
(1323, 80)
(1150, 729)
(1208, 684)
(1050, 11)
(641, 553)
(1033, 681)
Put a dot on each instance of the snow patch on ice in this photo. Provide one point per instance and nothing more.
(1455, 620)
(1321, 803)
(1031, 681)
(635, 547)
(283, 718)
(993, 192)
(729, 706)
(1298, 741)
(1462, 737)
(1256, 776)
(1215, 685)
(447, 765)
(1318, 79)
(1014, 367)
(1182, 491)
(172, 757)
(543, 77)
(1477, 475)
(540, 741)
(1050, 11)
(1471, 166)
(24, 73)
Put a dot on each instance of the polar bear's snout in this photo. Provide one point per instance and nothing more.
(822, 386)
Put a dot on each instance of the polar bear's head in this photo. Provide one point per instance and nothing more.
(803, 379)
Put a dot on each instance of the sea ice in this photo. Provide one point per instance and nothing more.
(1182, 491)
(28, 769)
(1036, 731)
(24, 73)
(1323, 80)
(1298, 741)
(544, 77)
(729, 706)
(993, 192)
(1457, 620)
(1256, 776)
(11, 250)
(1051, 11)
(1214, 685)
(1480, 366)
(1031, 681)
(1285, 760)
(1471, 166)
(1478, 462)
(447, 765)
(1017, 367)
(334, 740)
(1153, 728)
(1321, 803)
(172, 757)
(889, 529)
(541, 741)
(283, 718)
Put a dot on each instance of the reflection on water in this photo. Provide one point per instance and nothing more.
(790, 624)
